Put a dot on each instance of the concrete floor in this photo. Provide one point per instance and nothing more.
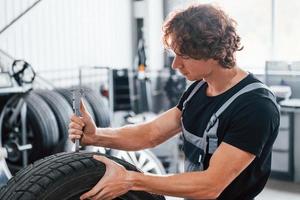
(274, 190)
(280, 190)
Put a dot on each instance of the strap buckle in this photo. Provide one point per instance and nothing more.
(211, 122)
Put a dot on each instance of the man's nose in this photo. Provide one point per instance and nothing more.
(176, 64)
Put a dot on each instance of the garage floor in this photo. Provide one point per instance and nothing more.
(275, 190)
(279, 190)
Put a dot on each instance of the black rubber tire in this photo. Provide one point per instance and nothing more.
(42, 130)
(44, 126)
(63, 176)
(3, 100)
(62, 111)
(67, 94)
(99, 106)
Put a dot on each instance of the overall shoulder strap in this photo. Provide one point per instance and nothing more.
(247, 88)
(196, 88)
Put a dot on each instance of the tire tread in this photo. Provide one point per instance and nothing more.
(32, 181)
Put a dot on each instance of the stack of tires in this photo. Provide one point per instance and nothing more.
(48, 116)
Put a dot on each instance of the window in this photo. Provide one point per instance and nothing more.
(254, 18)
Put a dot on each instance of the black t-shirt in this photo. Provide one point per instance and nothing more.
(250, 123)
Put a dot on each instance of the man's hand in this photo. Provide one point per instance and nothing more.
(83, 127)
(113, 184)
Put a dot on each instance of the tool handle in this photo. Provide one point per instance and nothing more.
(76, 145)
(76, 110)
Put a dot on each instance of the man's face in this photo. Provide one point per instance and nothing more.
(191, 68)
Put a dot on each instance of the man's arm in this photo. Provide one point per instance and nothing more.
(140, 136)
(225, 165)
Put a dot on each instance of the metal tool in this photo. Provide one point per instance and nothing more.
(77, 94)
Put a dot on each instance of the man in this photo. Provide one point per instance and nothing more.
(229, 119)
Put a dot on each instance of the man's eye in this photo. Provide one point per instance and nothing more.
(184, 57)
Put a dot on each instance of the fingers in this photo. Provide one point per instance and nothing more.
(82, 107)
(106, 161)
(105, 195)
(74, 125)
(74, 134)
(104, 189)
(102, 194)
(75, 128)
(99, 193)
(95, 190)
(77, 120)
(86, 117)
(102, 159)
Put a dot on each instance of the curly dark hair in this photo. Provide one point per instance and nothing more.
(202, 31)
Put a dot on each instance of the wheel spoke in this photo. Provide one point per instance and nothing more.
(124, 156)
(149, 167)
(133, 156)
(142, 160)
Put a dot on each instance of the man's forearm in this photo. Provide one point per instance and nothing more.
(129, 138)
(194, 185)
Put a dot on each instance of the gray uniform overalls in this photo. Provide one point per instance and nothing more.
(196, 148)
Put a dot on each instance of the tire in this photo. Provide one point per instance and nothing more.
(42, 130)
(43, 122)
(67, 94)
(63, 176)
(99, 107)
(5, 174)
(3, 100)
(62, 111)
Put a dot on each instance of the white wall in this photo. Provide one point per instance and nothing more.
(65, 34)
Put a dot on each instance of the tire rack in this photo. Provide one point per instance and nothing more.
(9, 86)
(21, 109)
